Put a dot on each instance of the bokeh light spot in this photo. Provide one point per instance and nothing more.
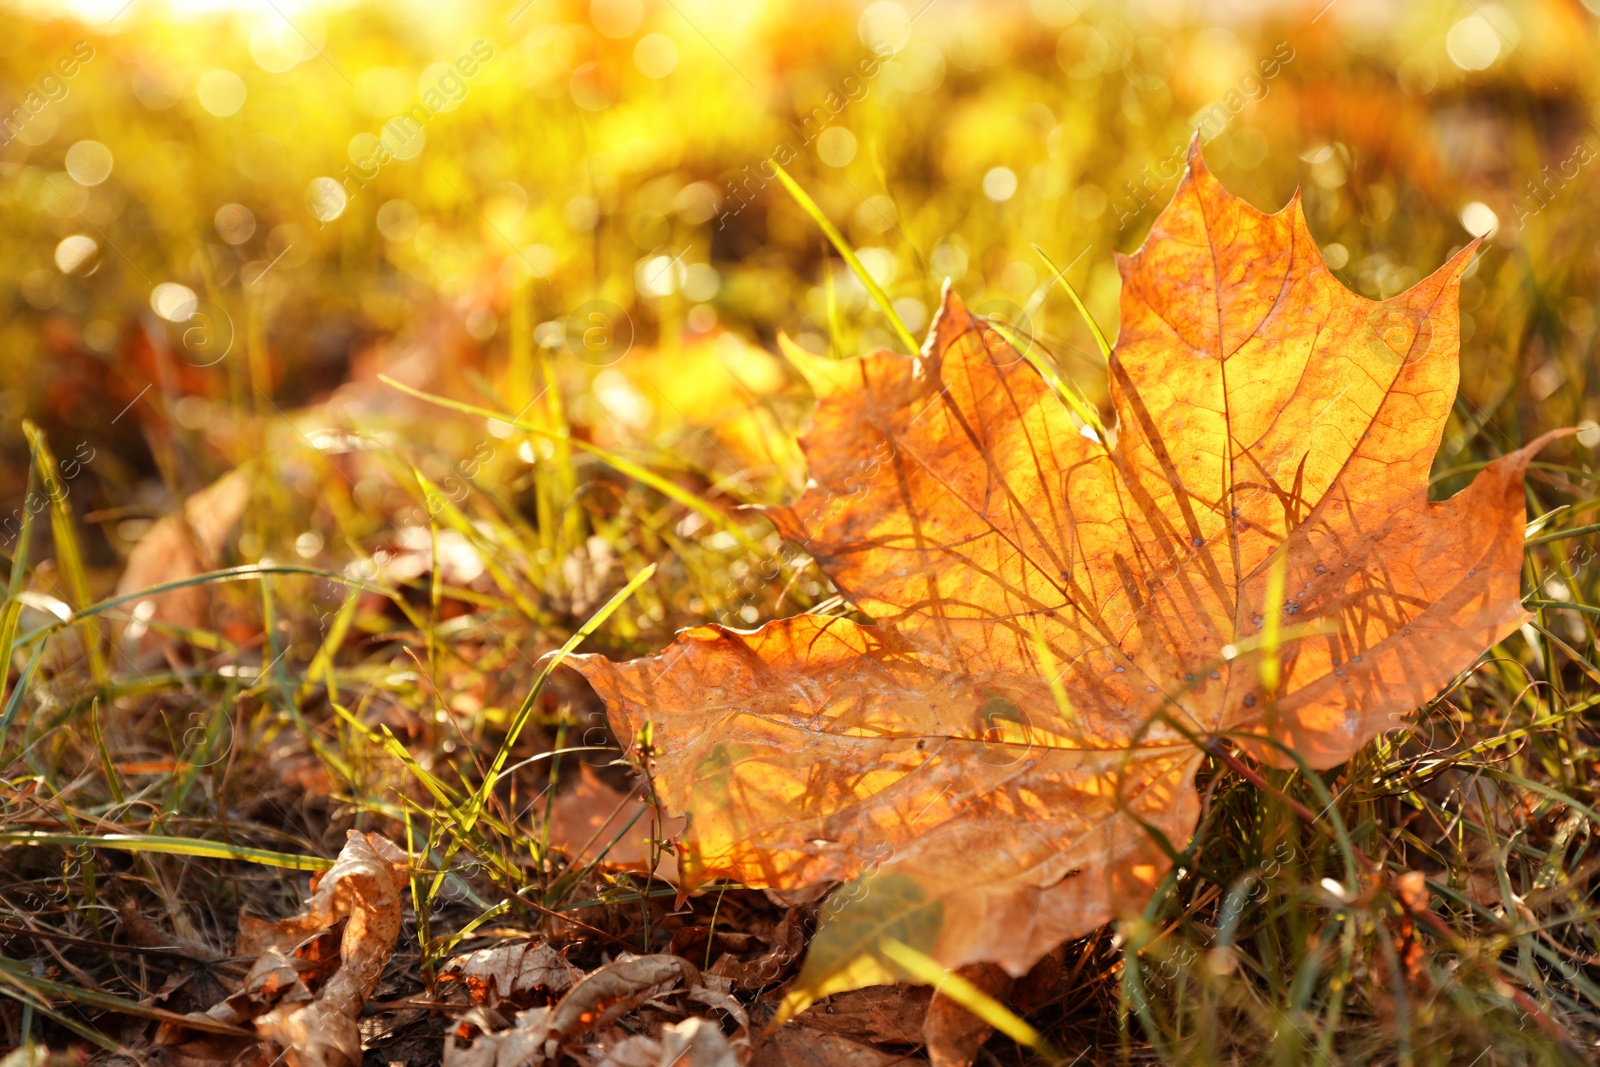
(221, 92)
(277, 46)
(397, 220)
(1000, 184)
(1472, 43)
(658, 275)
(885, 25)
(235, 223)
(836, 146)
(1479, 219)
(174, 302)
(616, 18)
(326, 198)
(656, 55)
(75, 252)
(89, 162)
(880, 263)
(701, 282)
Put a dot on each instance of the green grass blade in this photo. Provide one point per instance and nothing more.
(171, 846)
(1076, 402)
(442, 508)
(20, 975)
(245, 573)
(11, 611)
(476, 803)
(929, 971)
(15, 700)
(879, 297)
(1077, 302)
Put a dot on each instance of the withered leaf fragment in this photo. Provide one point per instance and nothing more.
(605, 994)
(694, 1042)
(801, 1046)
(992, 760)
(494, 975)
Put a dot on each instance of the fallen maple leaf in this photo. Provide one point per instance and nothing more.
(1059, 611)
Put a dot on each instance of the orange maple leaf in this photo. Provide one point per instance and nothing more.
(1058, 616)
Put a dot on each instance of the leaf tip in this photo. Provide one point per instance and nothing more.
(1456, 267)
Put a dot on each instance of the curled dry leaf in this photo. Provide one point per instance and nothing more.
(362, 888)
(302, 953)
(494, 975)
(523, 1045)
(1056, 613)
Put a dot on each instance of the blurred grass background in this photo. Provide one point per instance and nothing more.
(618, 156)
(209, 261)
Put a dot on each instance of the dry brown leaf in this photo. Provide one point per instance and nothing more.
(618, 988)
(604, 995)
(179, 546)
(801, 1046)
(694, 1042)
(312, 972)
(886, 1014)
(1269, 422)
(522, 1045)
(494, 975)
(952, 1033)
(586, 820)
